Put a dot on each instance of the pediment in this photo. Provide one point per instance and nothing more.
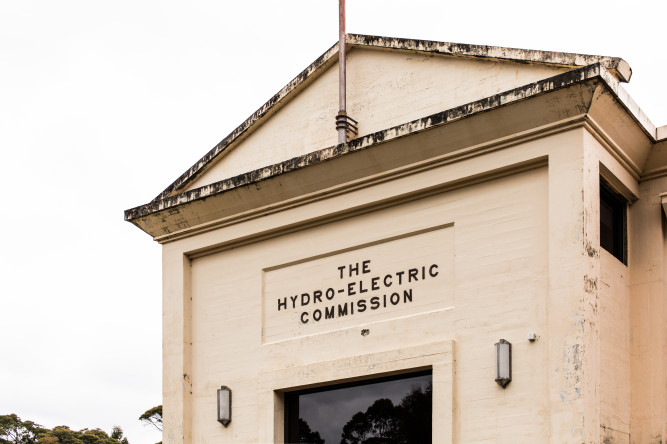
(390, 82)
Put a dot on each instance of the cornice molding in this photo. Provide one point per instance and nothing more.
(458, 156)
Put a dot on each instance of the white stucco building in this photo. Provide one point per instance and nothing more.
(491, 193)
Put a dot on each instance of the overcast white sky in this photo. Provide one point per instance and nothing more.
(104, 103)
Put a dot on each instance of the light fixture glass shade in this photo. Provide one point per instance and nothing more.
(224, 405)
(503, 363)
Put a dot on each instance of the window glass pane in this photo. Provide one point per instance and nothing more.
(396, 410)
(606, 226)
(613, 236)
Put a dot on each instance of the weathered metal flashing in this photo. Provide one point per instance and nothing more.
(618, 67)
(595, 71)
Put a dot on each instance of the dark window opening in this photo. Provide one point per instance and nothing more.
(613, 223)
(390, 410)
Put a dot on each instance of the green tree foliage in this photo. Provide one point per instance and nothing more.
(384, 423)
(63, 435)
(153, 416)
(15, 431)
(357, 429)
(307, 436)
(414, 416)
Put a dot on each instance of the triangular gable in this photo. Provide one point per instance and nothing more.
(390, 81)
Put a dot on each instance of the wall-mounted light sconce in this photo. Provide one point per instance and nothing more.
(224, 405)
(503, 363)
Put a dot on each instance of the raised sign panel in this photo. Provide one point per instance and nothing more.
(396, 277)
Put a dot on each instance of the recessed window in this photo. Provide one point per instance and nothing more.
(391, 410)
(613, 223)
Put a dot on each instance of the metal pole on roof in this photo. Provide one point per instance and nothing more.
(342, 134)
(343, 122)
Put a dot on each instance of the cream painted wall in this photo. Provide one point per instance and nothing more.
(648, 311)
(612, 296)
(614, 309)
(526, 260)
(385, 88)
(500, 291)
(501, 257)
